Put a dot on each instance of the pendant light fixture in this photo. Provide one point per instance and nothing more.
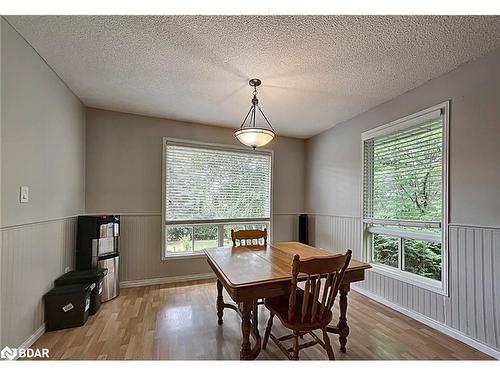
(249, 134)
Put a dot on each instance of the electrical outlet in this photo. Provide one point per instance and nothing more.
(67, 269)
(24, 194)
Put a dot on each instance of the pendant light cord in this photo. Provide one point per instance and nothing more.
(252, 111)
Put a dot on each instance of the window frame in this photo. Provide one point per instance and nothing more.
(165, 255)
(440, 287)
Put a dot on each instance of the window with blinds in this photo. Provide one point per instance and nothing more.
(210, 190)
(403, 200)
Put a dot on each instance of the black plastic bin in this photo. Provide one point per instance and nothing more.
(87, 276)
(68, 306)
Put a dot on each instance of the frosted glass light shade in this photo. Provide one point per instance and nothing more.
(254, 137)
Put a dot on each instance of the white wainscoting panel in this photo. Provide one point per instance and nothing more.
(33, 255)
(336, 233)
(473, 306)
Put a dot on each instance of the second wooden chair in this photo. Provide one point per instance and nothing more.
(308, 309)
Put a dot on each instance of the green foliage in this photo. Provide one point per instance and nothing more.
(205, 232)
(200, 233)
(406, 185)
(423, 258)
(407, 175)
(385, 250)
(177, 233)
(186, 242)
(180, 238)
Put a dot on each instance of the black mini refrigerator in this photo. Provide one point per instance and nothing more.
(98, 246)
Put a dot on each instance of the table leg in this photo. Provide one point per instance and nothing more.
(246, 326)
(343, 328)
(255, 330)
(255, 319)
(220, 302)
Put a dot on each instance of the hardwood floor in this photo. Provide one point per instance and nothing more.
(179, 321)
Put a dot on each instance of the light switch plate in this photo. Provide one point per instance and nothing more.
(24, 195)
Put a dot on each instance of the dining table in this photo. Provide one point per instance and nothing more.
(251, 273)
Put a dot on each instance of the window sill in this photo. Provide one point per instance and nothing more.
(187, 255)
(409, 278)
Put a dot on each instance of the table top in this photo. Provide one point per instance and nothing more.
(244, 266)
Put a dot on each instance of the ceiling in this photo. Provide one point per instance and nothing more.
(317, 71)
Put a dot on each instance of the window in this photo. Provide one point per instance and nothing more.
(209, 190)
(404, 198)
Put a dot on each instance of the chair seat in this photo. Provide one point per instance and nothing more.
(279, 306)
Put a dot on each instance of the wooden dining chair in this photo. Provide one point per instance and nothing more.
(243, 236)
(308, 309)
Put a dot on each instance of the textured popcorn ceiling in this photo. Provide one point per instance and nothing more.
(316, 71)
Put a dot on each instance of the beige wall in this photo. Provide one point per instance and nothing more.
(123, 175)
(43, 147)
(334, 157)
(43, 127)
(124, 154)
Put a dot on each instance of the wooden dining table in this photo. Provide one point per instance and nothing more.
(251, 273)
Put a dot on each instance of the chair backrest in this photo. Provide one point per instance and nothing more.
(247, 237)
(329, 269)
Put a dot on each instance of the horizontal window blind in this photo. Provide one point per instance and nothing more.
(204, 183)
(403, 173)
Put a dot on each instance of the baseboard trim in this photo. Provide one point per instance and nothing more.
(166, 280)
(35, 336)
(431, 323)
(31, 340)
